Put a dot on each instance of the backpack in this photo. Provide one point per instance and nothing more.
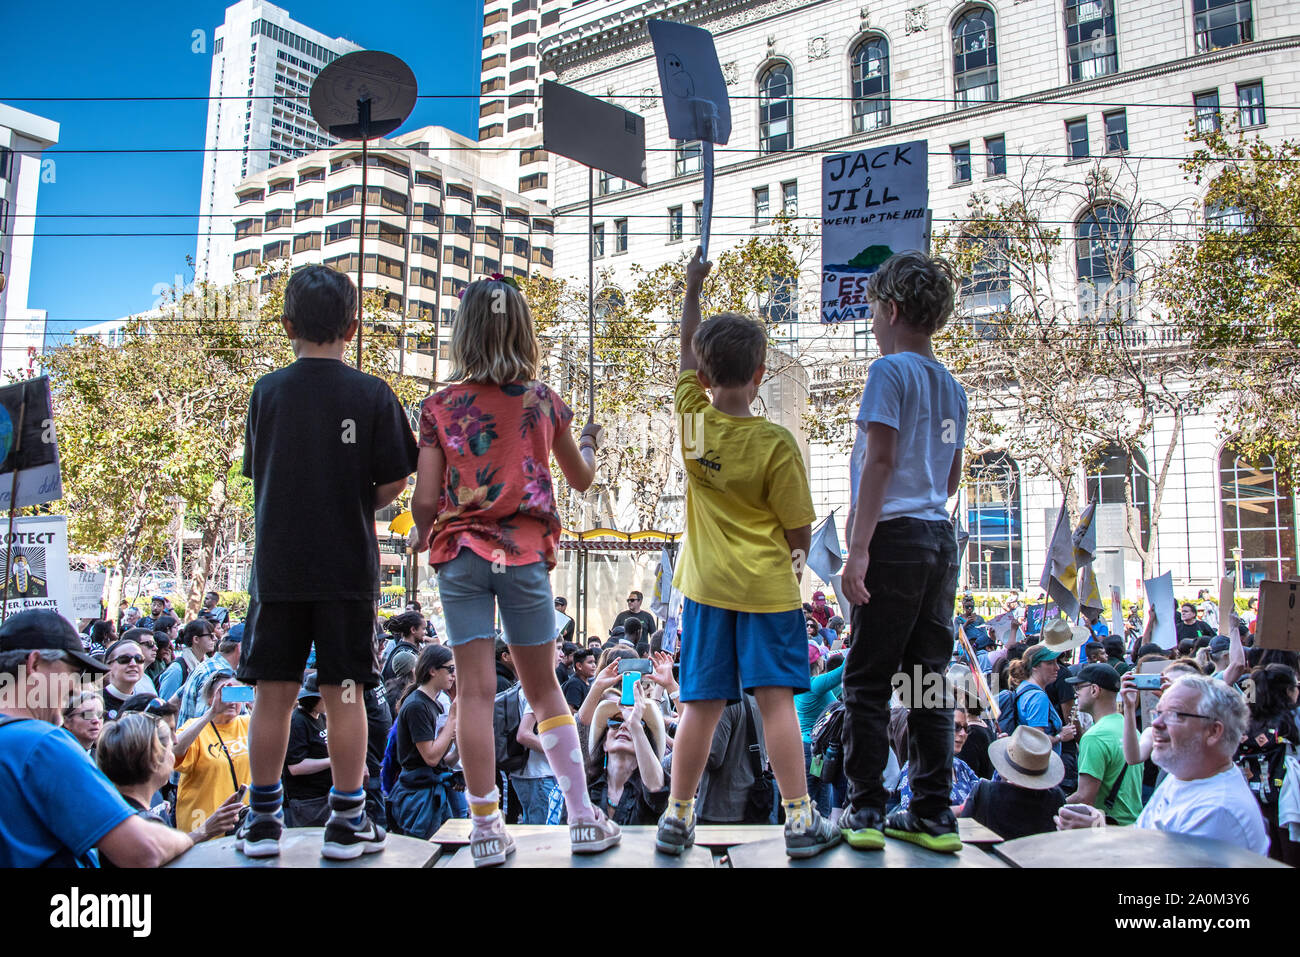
(391, 768)
(1010, 716)
(828, 729)
(507, 714)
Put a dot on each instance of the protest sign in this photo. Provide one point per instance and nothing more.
(873, 205)
(1160, 603)
(1278, 625)
(1003, 627)
(34, 451)
(84, 592)
(36, 555)
(1116, 612)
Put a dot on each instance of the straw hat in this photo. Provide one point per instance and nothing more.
(1061, 636)
(610, 708)
(1026, 758)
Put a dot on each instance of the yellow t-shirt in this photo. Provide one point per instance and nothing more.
(205, 774)
(745, 486)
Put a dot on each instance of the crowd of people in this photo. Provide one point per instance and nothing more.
(842, 724)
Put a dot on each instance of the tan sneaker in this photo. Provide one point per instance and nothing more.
(592, 837)
(490, 844)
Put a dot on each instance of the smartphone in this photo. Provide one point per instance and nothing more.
(1146, 682)
(242, 694)
(644, 665)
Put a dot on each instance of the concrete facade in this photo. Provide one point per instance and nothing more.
(1151, 68)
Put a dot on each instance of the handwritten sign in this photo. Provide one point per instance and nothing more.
(873, 205)
(84, 591)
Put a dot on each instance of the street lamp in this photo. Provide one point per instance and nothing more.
(988, 573)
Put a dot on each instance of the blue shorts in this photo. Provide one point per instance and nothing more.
(724, 650)
(472, 594)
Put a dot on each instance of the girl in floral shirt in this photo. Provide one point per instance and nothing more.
(485, 509)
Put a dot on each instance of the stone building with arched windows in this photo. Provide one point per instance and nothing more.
(1000, 90)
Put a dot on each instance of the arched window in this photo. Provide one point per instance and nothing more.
(776, 109)
(993, 553)
(1258, 519)
(1104, 261)
(608, 302)
(975, 58)
(1106, 484)
(986, 292)
(870, 84)
(1090, 38)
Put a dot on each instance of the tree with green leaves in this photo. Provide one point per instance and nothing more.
(1234, 294)
(156, 424)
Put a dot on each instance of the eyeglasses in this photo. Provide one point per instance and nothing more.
(1177, 717)
(959, 729)
(87, 715)
(147, 644)
(618, 723)
(450, 669)
(127, 659)
(632, 600)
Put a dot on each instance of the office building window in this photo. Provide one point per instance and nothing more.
(776, 109)
(697, 220)
(790, 198)
(1116, 131)
(870, 77)
(1104, 264)
(995, 156)
(1076, 139)
(620, 236)
(675, 224)
(1258, 519)
(687, 157)
(1250, 103)
(960, 163)
(1206, 107)
(598, 240)
(762, 206)
(1221, 23)
(1090, 39)
(975, 58)
(993, 521)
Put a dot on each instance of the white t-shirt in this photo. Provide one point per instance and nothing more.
(920, 398)
(1219, 807)
(537, 766)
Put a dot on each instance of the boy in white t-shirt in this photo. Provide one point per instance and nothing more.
(901, 572)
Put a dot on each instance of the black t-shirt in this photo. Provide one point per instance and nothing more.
(417, 721)
(378, 723)
(319, 437)
(1012, 811)
(647, 619)
(307, 740)
(575, 691)
(1193, 631)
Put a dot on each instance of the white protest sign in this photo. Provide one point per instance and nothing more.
(37, 558)
(873, 205)
(84, 591)
(1160, 603)
(1003, 627)
(1116, 612)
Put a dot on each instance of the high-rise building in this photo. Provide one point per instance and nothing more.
(436, 218)
(510, 94)
(23, 137)
(257, 118)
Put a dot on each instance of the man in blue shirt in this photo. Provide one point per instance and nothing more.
(59, 808)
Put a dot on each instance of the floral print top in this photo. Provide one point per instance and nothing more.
(497, 498)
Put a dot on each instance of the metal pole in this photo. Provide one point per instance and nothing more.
(363, 115)
(591, 295)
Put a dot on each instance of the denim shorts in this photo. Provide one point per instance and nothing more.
(472, 595)
(722, 649)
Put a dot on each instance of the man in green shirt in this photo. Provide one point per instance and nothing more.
(1106, 780)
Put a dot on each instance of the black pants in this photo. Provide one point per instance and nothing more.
(906, 627)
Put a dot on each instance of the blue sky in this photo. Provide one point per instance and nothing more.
(78, 49)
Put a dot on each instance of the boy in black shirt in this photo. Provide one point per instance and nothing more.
(325, 445)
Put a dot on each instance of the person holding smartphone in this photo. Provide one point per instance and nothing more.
(212, 753)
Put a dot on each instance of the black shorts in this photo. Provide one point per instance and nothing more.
(278, 636)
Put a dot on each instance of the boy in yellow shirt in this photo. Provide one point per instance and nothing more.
(748, 511)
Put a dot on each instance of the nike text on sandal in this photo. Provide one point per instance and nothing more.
(934, 834)
(345, 843)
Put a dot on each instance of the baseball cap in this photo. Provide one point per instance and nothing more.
(43, 629)
(814, 653)
(1219, 645)
(561, 602)
(1040, 653)
(236, 632)
(1101, 675)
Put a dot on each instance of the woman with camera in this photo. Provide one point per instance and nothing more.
(625, 752)
(212, 753)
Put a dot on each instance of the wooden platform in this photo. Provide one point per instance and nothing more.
(300, 847)
(1125, 847)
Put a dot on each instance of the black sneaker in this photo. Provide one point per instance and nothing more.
(343, 842)
(260, 838)
(934, 834)
(674, 835)
(863, 829)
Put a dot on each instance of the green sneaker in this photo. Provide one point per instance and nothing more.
(934, 834)
(862, 829)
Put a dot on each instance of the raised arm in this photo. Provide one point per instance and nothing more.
(696, 270)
